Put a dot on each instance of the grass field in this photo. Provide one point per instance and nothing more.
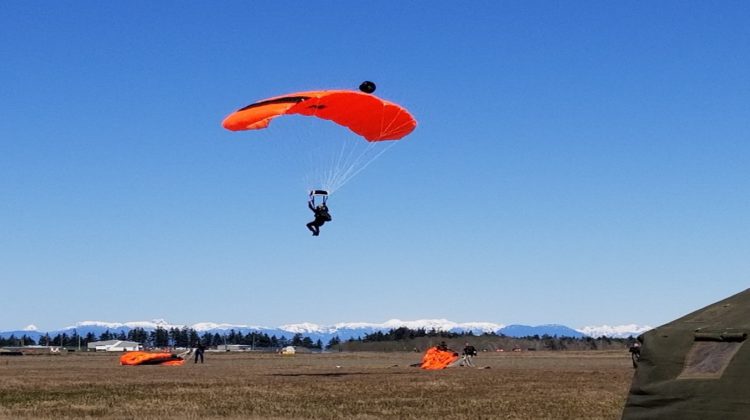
(531, 385)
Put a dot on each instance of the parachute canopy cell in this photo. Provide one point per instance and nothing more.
(367, 115)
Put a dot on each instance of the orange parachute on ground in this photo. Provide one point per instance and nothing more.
(367, 115)
(137, 358)
(436, 358)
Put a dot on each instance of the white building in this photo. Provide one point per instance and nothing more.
(233, 347)
(114, 345)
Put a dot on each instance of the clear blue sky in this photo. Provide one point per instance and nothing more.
(575, 162)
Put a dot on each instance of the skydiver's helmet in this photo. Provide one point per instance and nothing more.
(367, 87)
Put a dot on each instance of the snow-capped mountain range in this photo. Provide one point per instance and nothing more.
(343, 330)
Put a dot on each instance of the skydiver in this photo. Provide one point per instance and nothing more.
(321, 216)
(199, 350)
(469, 353)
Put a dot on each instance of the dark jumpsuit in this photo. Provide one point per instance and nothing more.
(321, 216)
(199, 352)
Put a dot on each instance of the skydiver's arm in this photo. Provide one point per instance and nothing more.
(309, 204)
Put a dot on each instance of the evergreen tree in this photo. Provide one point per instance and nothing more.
(160, 337)
(183, 337)
(139, 335)
(73, 339)
(307, 342)
(106, 336)
(263, 340)
(232, 337)
(174, 336)
(334, 341)
(193, 338)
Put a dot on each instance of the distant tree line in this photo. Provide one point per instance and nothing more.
(404, 333)
(405, 339)
(393, 340)
(163, 338)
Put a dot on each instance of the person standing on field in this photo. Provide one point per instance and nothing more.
(469, 353)
(199, 350)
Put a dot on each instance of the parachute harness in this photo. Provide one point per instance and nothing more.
(318, 193)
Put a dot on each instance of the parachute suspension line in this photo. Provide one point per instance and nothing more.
(316, 172)
(349, 167)
(333, 157)
(353, 158)
(344, 161)
(331, 164)
(335, 164)
(358, 166)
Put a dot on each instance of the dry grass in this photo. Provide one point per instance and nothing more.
(534, 385)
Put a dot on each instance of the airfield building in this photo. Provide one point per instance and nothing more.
(114, 345)
(233, 347)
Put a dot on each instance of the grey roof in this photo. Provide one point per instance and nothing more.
(119, 343)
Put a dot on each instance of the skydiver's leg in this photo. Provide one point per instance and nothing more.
(313, 226)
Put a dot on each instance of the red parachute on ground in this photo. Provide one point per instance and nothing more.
(138, 358)
(437, 358)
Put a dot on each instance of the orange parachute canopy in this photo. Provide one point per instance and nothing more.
(367, 115)
(136, 358)
(435, 358)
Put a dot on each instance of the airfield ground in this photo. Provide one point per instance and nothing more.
(529, 385)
